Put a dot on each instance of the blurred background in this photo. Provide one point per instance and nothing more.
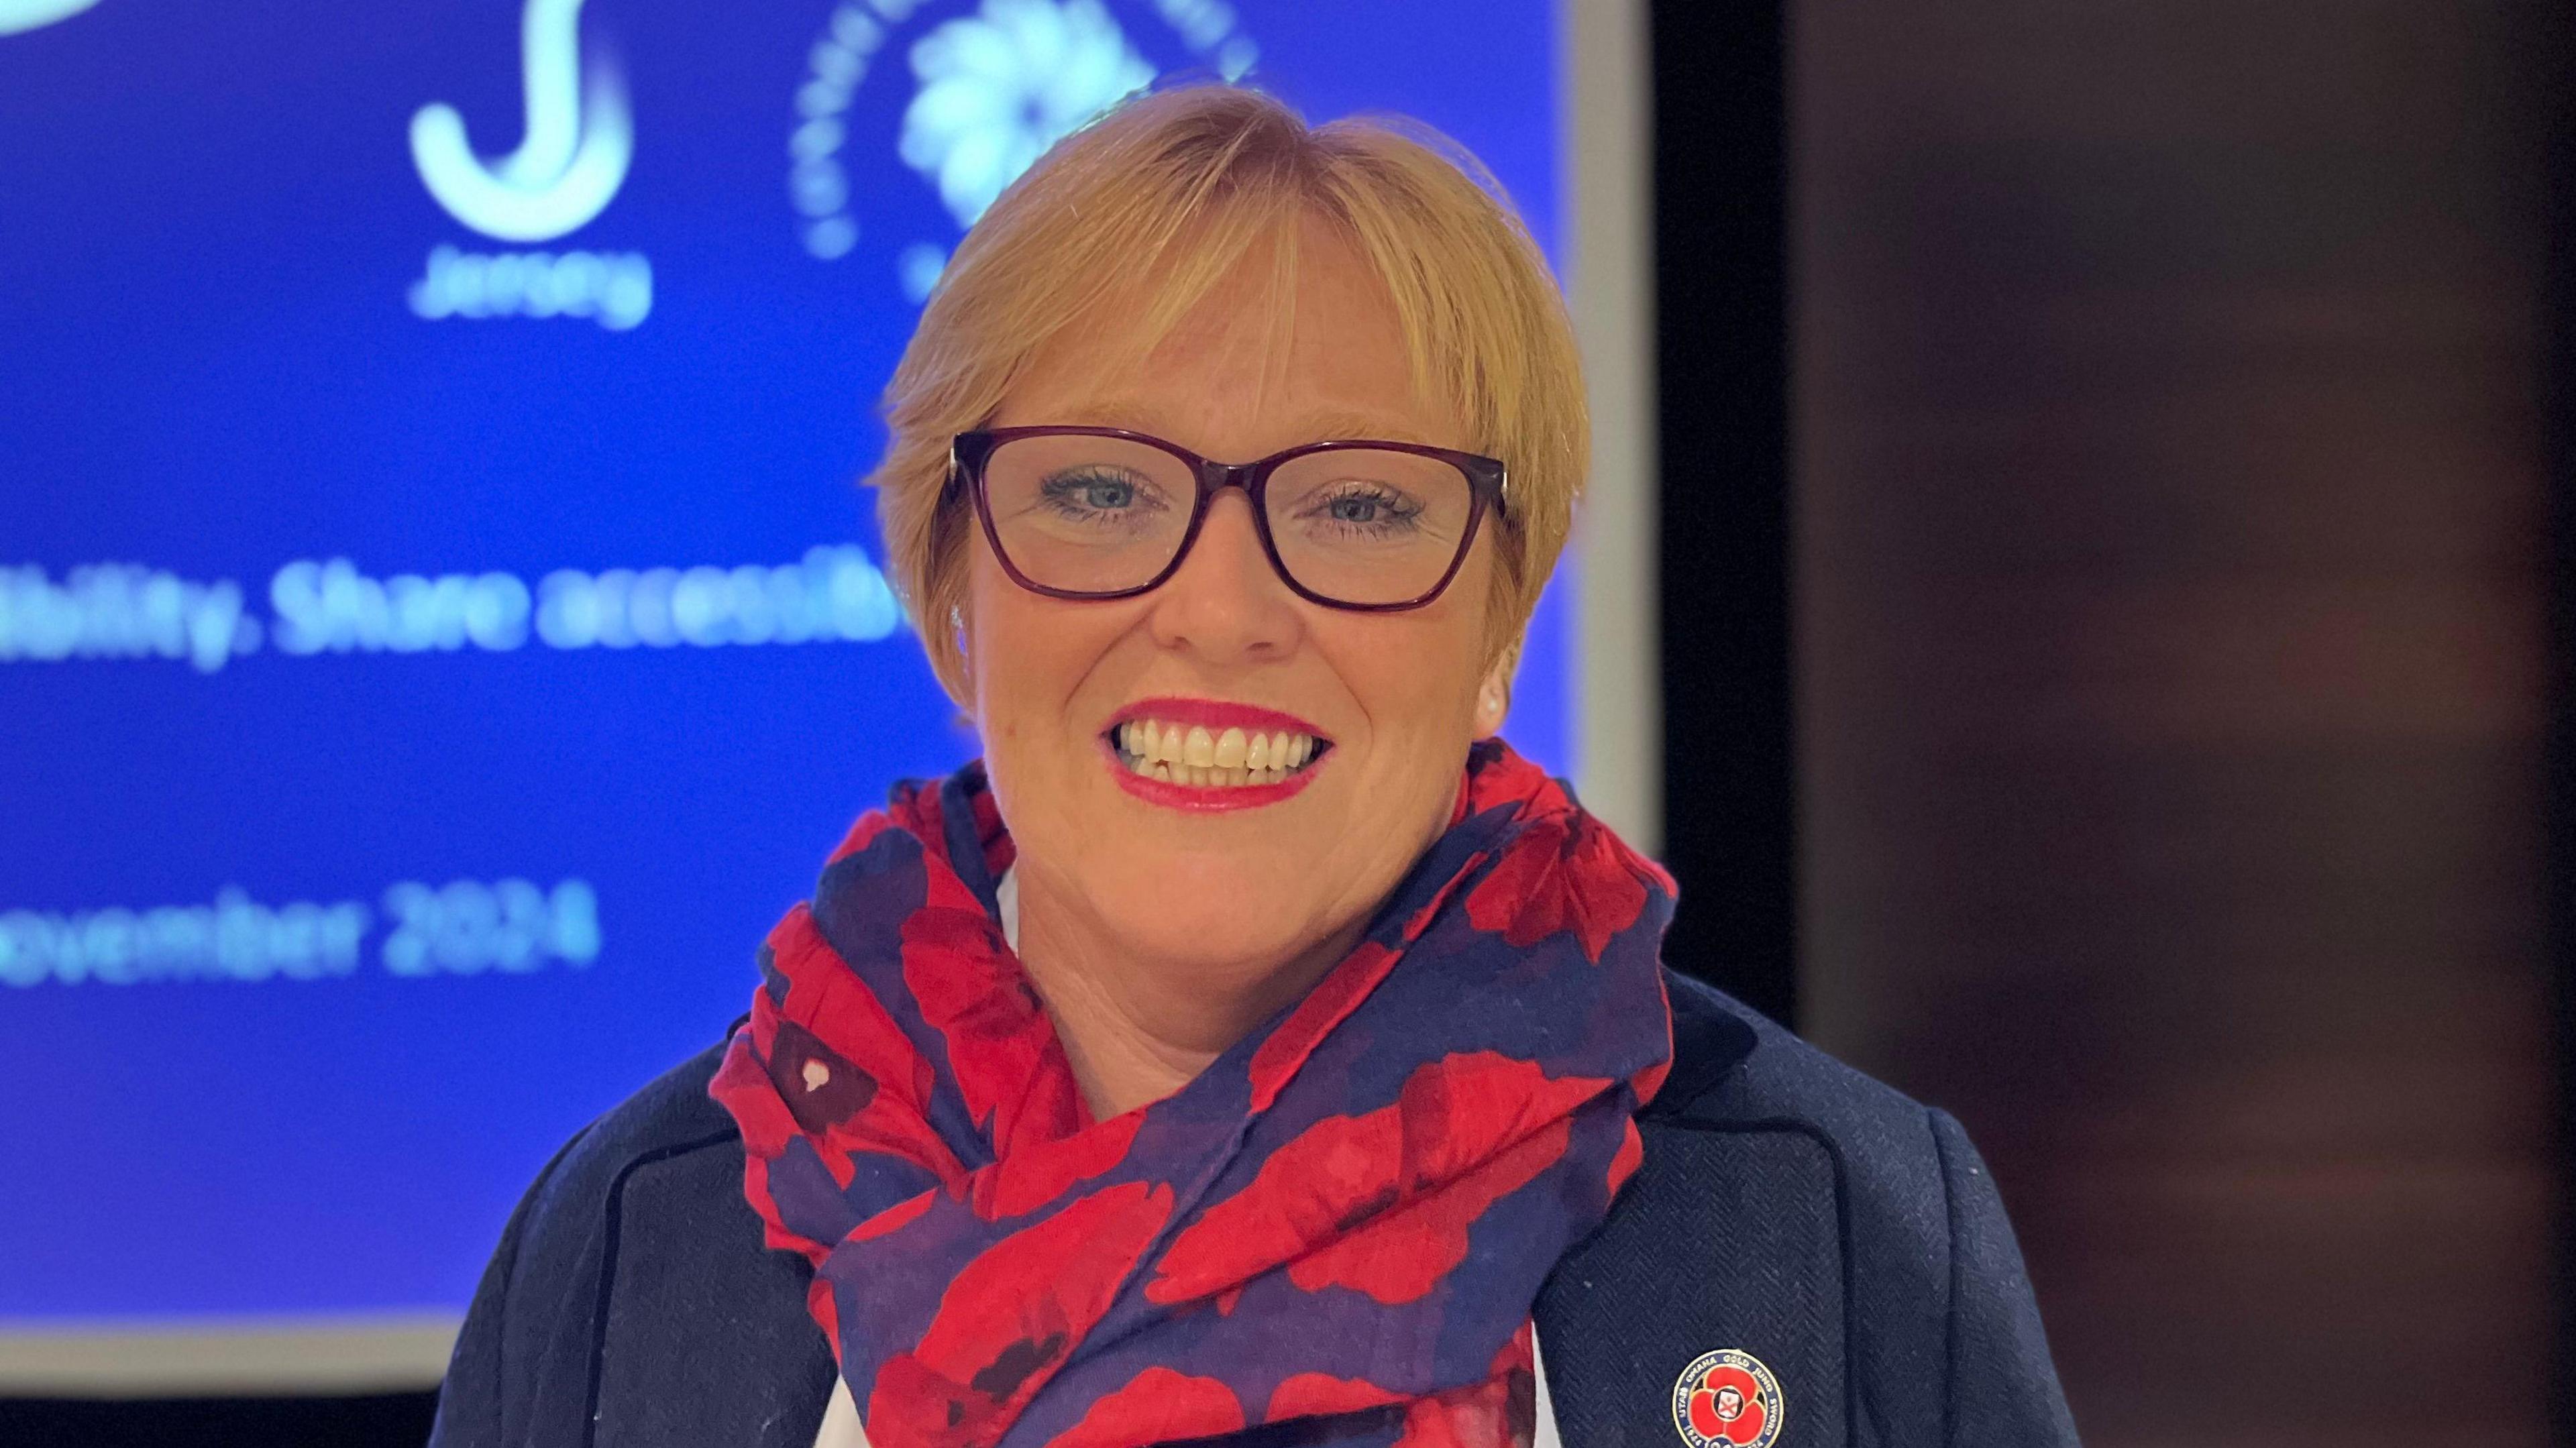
(2077, 586)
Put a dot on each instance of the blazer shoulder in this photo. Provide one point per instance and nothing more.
(671, 1114)
(670, 1111)
(1732, 1066)
(1735, 1069)
(1945, 1339)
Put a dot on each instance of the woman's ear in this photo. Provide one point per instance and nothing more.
(1493, 700)
(961, 689)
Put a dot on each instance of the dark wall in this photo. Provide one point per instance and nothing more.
(1722, 363)
(2171, 637)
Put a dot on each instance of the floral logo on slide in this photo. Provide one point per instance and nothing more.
(993, 84)
(1727, 1399)
(1000, 86)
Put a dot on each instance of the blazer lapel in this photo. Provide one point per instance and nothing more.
(702, 1335)
(1729, 1238)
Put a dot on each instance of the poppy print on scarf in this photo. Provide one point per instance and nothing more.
(1340, 1224)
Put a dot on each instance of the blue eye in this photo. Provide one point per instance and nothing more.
(1365, 511)
(1095, 493)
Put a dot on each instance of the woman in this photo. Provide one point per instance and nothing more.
(1251, 1044)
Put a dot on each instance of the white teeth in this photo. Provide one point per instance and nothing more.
(1194, 755)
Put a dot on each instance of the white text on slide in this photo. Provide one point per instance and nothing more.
(835, 594)
(122, 611)
(467, 927)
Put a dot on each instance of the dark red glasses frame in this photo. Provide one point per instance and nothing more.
(1486, 486)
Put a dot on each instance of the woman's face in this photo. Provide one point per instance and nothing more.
(1393, 700)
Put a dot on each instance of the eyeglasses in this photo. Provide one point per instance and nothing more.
(1100, 512)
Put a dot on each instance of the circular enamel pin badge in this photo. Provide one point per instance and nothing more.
(1727, 1399)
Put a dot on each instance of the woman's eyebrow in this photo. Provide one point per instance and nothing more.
(1136, 414)
(1339, 425)
(1132, 414)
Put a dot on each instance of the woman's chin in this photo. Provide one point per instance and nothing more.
(1214, 931)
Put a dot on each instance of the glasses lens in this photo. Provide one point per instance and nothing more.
(1369, 525)
(1088, 514)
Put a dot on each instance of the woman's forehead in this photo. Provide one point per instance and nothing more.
(1321, 372)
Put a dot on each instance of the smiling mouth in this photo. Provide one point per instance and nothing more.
(1195, 755)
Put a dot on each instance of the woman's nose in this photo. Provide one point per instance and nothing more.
(1226, 602)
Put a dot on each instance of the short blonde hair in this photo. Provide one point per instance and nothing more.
(1164, 195)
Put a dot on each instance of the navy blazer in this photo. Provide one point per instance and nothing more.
(1787, 1206)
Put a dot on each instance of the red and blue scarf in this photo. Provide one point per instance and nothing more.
(1338, 1227)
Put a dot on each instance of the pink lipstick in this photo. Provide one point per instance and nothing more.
(1211, 754)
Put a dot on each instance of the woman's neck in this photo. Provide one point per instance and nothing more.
(1135, 1029)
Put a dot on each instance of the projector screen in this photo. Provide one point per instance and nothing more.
(439, 630)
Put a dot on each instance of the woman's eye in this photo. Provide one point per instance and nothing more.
(1365, 510)
(1089, 493)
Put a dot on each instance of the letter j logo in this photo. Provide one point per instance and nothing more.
(571, 161)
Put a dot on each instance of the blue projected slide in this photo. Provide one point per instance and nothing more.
(439, 633)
